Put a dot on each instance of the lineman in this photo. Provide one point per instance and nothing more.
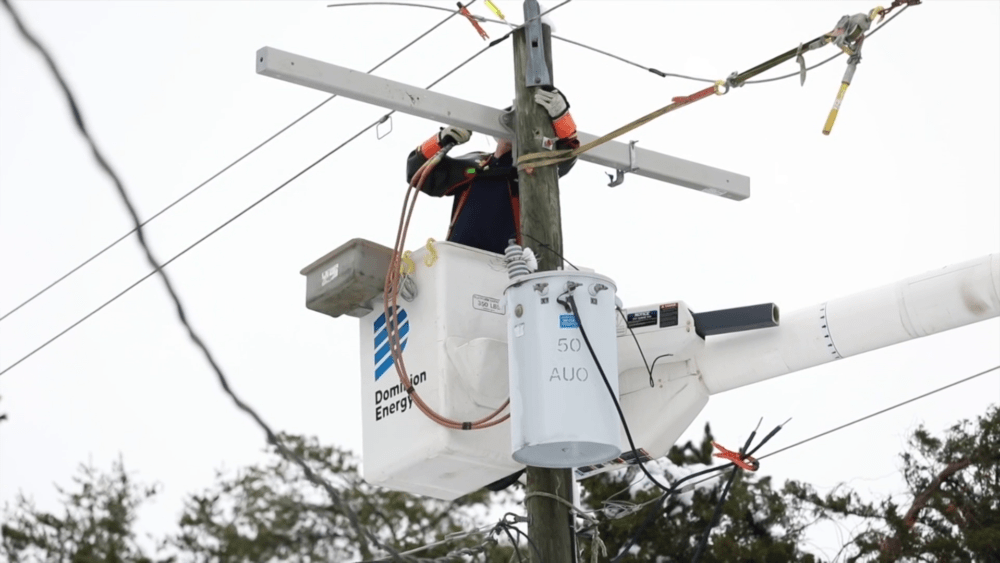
(486, 211)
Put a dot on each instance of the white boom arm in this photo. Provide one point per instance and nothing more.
(933, 302)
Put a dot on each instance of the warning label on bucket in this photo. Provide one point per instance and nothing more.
(642, 318)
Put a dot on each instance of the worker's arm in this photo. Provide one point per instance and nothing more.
(557, 106)
(451, 173)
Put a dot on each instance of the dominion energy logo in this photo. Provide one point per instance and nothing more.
(383, 359)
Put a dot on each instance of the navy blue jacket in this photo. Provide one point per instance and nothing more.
(486, 211)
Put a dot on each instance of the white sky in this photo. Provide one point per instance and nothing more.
(907, 182)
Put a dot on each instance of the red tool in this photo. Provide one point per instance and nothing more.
(737, 458)
(468, 15)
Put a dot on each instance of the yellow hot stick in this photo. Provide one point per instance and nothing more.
(852, 65)
(494, 9)
(836, 107)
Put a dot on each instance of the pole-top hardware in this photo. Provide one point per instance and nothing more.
(536, 72)
(507, 120)
(378, 126)
(633, 166)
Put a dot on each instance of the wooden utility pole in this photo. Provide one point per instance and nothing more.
(550, 523)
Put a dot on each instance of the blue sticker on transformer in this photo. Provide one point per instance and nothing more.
(568, 321)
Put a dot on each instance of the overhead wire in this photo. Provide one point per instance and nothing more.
(223, 170)
(548, 247)
(651, 515)
(885, 410)
(491, 530)
(501, 22)
(570, 303)
(448, 539)
(609, 54)
(188, 248)
(736, 79)
(721, 502)
(363, 535)
(251, 206)
(709, 80)
(819, 64)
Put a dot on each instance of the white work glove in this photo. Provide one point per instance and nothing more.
(454, 135)
(554, 102)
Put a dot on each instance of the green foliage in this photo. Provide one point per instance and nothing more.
(272, 512)
(268, 512)
(953, 509)
(95, 527)
(756, 523)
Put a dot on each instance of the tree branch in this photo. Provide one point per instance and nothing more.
(892, 547)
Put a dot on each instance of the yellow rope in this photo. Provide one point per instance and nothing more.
(539, 159)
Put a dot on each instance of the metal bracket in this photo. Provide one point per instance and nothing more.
(378, 132)
(507, 121)
(802, 65)
(619, 176)
(408, 288)
(536, 72)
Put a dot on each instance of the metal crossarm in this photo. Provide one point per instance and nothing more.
(443, 108)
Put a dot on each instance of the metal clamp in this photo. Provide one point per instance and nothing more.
(408, 288)
(536, 72)
(633, 166)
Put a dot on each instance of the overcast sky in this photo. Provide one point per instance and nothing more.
(909, 181)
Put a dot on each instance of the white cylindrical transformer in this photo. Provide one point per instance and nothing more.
(562, 414)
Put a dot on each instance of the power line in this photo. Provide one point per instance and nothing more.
(181, 314)
(821, 63)
(499, 22)
(650, 516)
(709, 80)
(194, 244)
(655, 71)
(220, 172)
(887, 409)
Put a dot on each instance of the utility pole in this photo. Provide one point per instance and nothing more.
(550, 523)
